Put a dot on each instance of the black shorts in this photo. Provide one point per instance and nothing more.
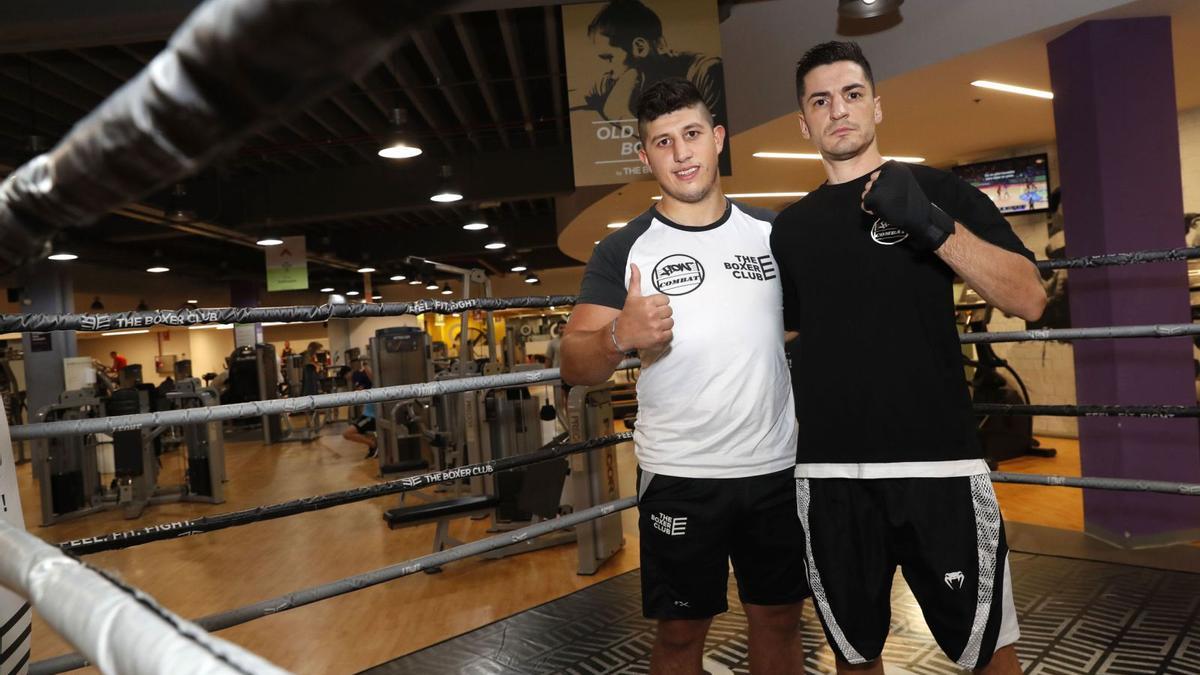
(691, 528)
(946, 536)
(364, 423)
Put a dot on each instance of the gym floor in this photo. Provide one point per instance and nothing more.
(207, 573)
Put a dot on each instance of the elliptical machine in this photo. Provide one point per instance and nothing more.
(1003, 437)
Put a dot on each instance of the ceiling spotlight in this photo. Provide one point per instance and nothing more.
(430, 285)
(532, 278)
(447, 191)
(366, 270)
(327, 289)
(97, 306)
(269, 241)
(518, 267)
(446, 289)
(867, 9)
(351, 293)
(63, 256)
(376, 297)
(193, 302)
(475, 225)
(158, 269)
(178, 208)
(142, 306)
(495, 245)
(414, 281)
(397, 145)
(397, 277)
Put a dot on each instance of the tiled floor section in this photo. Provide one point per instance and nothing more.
(1076, 617)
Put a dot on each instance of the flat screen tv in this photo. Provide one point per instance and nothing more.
(1015, 184)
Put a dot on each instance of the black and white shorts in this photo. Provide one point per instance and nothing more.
(947, 537)
(691, 528)
(365, 424)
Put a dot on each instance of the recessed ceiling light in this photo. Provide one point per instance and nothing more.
(62, 256)
(615, 226)
(1013, 89)
(352, 293)
(519, 267)
(397, 277)
(158, 269)
(446, 196)
(476, 225)
(813, 155)
(399, 151)
(495, 245)
(327, 289)
(269, 241)
(366, 270)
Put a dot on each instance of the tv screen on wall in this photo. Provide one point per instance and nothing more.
(1016, 184)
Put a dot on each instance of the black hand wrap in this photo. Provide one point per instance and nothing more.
(897, 198)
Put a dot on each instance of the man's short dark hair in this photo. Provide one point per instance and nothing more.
(665, 97)
(825, 54)
(623, 21)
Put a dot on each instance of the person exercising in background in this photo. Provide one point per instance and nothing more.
(118, 362)
(889, 468)
(715, 433)
(362, 429)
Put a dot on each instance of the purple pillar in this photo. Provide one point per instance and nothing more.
(1118, 150)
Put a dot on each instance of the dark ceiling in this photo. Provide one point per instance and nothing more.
(484, 93)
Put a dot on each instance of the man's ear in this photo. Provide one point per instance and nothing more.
(640, 48)
(804, 131)
(719, 135)
(878, 111)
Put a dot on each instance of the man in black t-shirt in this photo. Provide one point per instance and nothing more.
(889, 470)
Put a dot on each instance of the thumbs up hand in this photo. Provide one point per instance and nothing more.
(645, 322)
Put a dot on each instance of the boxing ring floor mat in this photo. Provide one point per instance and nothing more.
(1077, 616)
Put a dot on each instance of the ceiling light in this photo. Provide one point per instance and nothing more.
(414, 282)
(813, 155)
(142, 306)
(397, 277)
(97, 306)
(126, 332)
(327, 289)
(366, 270)
(1013, 89)
(615, 226)
(446, 289)
(448, 191)
(518, 267)
(269, 241)
(218, 326)
(62, 256)
(867, 9)
(532, 278)
(495, 245)
(475, 225)
(351, 293)
(431, 285)
(376, 297)
(598, 241)
(158, 269)
(193, 302)
(397, 145)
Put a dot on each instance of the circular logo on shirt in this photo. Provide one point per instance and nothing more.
(677, 274)
(886, 234)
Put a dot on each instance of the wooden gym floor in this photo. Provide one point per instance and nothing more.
(198, 575)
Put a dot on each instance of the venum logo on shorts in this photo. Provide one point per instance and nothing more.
(955, 580)
(676, 527)
(752, 267)
(677, 274)
(884, 233)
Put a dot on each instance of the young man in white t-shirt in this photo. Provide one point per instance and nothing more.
(692, 287)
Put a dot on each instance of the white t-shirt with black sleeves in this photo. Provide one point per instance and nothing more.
(718, 402)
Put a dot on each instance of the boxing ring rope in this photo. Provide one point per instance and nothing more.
(118, 628)
(272, 606)
(93, 322)
(126, 539)
(1149, 411)
(1119, 484)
